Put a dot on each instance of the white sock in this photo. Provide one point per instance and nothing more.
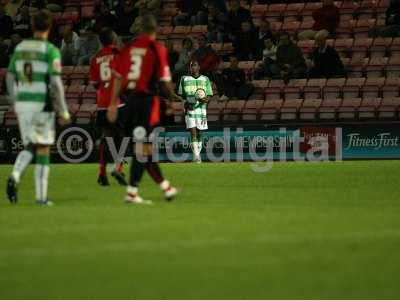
(41, 181)
(132, 191)
(199, 147)
(165, 185)
(195, 149)
(24, 158)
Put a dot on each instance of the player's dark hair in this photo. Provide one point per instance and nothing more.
(42, 20)
(148, 24)
(106, 36)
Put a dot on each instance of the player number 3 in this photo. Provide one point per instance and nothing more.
(134, 73)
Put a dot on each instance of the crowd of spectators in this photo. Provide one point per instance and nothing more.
(226, 21)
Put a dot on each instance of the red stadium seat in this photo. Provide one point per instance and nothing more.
(367, 109)
(293, 11)
(290, 108)
(258, 10)
(309, 109)
(391, 87)
(352, 88)
(254, 104)
(328, 109)
(349, 108)
(273, 93)
(291, 27)
(275, 12)
(389, 108)
(292, 92)
(372, 87)
(333, 88)
(376, 66)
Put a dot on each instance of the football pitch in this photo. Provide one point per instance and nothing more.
(301, 231)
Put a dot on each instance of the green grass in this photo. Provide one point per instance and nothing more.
(302, 231)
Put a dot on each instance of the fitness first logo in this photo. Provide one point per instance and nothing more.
(381, 140)
(74, 145)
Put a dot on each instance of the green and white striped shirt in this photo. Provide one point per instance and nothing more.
(187, 89)
(32, 63)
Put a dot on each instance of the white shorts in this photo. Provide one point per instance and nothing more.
(200, 124)
(37, 128)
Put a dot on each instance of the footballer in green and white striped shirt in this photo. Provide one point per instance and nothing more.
(35, 71)
(195, 89)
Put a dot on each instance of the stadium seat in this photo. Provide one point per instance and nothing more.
(73, 108)
(372, 87)
(367, 109)
(258, 10)
(199, 29)
(313, 88)
(392, 69)
(10, 119)
(253, 104)
(376, 66)
(179, 32)
(83, 117)
(293, 11)
(290, 109)
(391, 87)
(270, 110)
(309, 109)
(363, 26)
(360, 47)
(389, 108)
(291, 27)
(348, 109)
(273, 93)
(292, 92)
(344, 45)
(87, 12)
(328, 109)
(357, 67)
(275, 12)
(345, 29)
(352, 88)
(333, 88)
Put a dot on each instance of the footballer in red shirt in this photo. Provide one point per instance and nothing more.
(140, 70)
(100, 77)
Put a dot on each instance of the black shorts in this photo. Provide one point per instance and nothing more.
(103, 123)
(142, 114)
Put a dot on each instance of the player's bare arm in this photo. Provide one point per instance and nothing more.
(57, 88)
(112, 111)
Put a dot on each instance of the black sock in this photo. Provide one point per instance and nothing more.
(137, 169)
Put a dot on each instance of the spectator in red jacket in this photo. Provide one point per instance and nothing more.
(326, 18)
(206, 56)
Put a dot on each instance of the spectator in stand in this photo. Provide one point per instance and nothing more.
(216, 25)
(22, 24)
(233, 84)
(173, 55)
(69, 46)
(104, 17)
(182, 65)
(15, 40)
(201, 17)
(392, 26)
(207, 57)
(186, 10)
(326, 61)
(89, 44)
(290, 59)
(148, 7)
(264, 33)
(4, 54)
(269, 67)
(6, 24)
(236, 16)
(245, 43)
(55, 5)
(126, 14)
(326, 18)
